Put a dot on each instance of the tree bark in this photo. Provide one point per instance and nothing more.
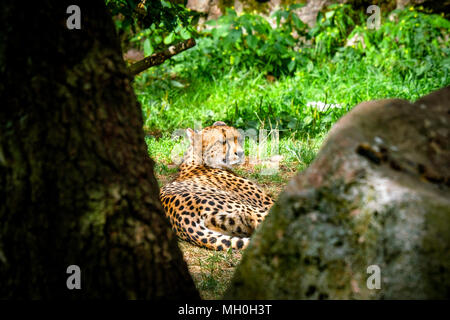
(76, 183)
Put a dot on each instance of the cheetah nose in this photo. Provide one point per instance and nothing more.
(240, 154)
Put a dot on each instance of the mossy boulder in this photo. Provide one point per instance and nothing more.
(378, 193)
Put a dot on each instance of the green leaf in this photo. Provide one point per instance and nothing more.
(233, 36)
(185, 34)
(329, 14)
(169, 39)
(298, 23)
(148, 48)
(307, 120)
(220, 32)
(252, 42)
(166, 4)
(177, 84)
(291, 65)
(157, 39)
(237, 60)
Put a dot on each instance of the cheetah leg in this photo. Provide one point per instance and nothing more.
(232, 225)
(215, 240)
(240, 223)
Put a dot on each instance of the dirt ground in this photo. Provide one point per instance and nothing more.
(213, 270)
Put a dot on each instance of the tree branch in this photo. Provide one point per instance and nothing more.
(159, 57)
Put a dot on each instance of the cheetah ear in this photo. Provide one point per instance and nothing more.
(219, 123)
(190, 134)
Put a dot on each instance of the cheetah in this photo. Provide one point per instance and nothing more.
(208, 204)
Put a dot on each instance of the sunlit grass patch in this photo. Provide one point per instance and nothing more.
(210, 270)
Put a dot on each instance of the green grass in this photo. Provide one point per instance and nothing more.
(211, 270)
(247, 99)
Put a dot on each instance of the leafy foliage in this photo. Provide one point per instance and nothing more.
(155, 24)
(249, 41)
(332, 28)
(410, 42)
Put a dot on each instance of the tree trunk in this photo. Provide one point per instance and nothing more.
(76, 183)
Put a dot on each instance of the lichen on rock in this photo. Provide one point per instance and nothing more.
(377, 194)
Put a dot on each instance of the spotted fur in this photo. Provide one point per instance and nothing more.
(207, 204)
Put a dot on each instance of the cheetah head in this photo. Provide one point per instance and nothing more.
(218, 146)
